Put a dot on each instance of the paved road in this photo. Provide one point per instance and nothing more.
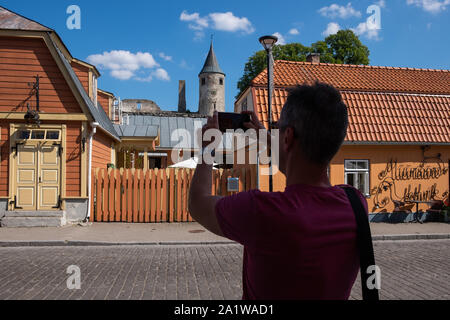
(410, 270)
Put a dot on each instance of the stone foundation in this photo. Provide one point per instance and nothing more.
(76, 210)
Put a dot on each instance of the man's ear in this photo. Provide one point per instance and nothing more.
(288, 139)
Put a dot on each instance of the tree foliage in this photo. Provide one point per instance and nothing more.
(343, 47)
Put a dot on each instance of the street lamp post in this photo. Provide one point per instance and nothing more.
(268, 42)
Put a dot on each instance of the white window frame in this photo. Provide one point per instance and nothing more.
(357, 172)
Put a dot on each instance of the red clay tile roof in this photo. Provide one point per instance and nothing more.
(394, 105)
(359, 78)
(381, 117)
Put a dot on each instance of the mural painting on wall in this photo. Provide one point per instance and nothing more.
(388, 191)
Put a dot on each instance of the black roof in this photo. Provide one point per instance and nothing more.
(211, 64)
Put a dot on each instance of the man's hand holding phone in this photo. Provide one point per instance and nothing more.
(256, 125)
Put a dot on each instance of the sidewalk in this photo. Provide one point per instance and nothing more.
(106, 234)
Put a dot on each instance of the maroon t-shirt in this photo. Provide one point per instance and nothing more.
(298, 245)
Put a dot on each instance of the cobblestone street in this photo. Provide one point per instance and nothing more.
(410, 270)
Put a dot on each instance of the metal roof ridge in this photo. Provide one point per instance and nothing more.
(418, 94)
(361, 66)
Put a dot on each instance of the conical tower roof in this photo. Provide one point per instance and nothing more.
(211, 64)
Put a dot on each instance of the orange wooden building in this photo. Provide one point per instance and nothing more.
(51, 113)
(397, 151)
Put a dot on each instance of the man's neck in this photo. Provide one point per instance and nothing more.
(307, 174)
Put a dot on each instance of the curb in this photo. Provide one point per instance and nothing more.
(409, 237)
(21, 244)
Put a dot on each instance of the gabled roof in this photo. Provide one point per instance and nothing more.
(211, 64)
(97, 113)
(380, 117)
(359, 77)
(12, 21)
(386, 105)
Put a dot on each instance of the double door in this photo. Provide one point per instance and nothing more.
(38, 176)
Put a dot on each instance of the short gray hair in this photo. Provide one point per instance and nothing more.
(319, 118)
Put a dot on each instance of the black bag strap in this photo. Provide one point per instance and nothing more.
(365, 245)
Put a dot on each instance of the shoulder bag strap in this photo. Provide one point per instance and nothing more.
(365, 245)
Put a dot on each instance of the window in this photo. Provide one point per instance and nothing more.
(139, 106)
(244, 105)
(24, 135)
(357, 173)
(38, 135)
(53, 135)
(221, 82)
(203, 81)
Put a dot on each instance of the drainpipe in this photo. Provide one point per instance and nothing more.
(94, 126)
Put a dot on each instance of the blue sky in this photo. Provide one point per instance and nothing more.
(173, 37)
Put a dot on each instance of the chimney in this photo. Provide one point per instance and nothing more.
(182, 97)
(313, 57)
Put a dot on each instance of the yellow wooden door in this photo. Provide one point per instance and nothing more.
(26, 186)
(49, 184)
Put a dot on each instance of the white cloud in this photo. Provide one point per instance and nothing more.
(145, 79)
(342, 12)
(199, 35)
(432, 6)
(363, 30)
(294, 32)
(161, 74)
(281, 39)
(229, 22)
(381, 3)
(225, 21)
(122, 74)
(332, 28)
(184, 65)
(124, 65)
(199, 22)
(162, 55)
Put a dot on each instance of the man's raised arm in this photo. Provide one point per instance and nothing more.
(202, 204)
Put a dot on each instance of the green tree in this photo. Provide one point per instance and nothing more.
(343, 47)
(346, 48)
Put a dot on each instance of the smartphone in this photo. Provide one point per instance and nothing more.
(233, 121)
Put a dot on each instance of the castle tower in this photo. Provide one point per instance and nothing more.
(212, 86)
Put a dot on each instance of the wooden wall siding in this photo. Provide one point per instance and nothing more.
(82, 73)
(103, 99)
(4, 163)
(101, 150)
(21, 59)
(152, 196)
(73, 162)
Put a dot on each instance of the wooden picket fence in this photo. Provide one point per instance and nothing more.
(154, 196)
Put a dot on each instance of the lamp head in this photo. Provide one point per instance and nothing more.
(268, 42)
